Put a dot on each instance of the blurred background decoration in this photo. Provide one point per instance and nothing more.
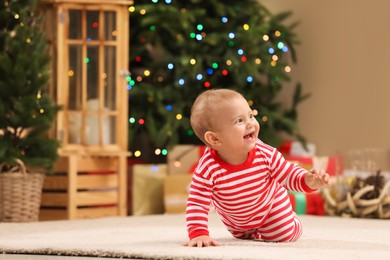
(179, 49)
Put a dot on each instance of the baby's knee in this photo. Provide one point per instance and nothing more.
(286, 233)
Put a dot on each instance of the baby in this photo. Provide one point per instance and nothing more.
(244, 179)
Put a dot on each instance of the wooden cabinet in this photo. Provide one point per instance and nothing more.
(90, 48)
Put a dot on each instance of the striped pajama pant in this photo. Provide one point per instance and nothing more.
(280, 225)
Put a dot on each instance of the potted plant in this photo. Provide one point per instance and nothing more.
(26, 111)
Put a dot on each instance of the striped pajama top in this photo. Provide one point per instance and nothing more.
(241, 194)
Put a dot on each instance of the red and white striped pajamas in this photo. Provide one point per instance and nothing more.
(250, 198)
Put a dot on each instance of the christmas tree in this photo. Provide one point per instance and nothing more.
(26, 112)
(182, 48)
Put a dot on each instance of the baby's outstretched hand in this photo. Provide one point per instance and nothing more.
(317, 178)
(201, 241)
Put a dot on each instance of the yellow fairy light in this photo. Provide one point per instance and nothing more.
(70, 73)
(264, 119)
(16, 16)
(229, 62)
(131, 9)
(250, 102)
(192, 61)
(287, 69)
(157, 151)
(246, 27)
(273, 63)
(277, 34)
(147, 73)
(28, 40)
(41, 111)
(255, 112)
(179, 116)
(142, 12)
(257, 61)
(265, 38)
(275, 57)
(137, 153)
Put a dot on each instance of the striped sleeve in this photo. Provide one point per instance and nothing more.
(198, 202)
(288, 174)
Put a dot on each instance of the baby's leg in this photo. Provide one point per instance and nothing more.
(282, 224)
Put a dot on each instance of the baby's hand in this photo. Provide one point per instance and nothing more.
(202, 241)
(317, 178)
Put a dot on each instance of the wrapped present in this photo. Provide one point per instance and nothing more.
(331, 164)
(176, 189)
(295, 148)
(147, 188)
(307, 203)
(183, 159)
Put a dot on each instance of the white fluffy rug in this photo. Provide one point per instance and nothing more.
(161, 236)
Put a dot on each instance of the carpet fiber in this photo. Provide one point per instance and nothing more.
(161, 236)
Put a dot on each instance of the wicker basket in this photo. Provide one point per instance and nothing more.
(20, 195)
(355, 206)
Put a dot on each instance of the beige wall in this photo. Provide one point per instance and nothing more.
(344, 61)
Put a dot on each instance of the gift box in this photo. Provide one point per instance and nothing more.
(307, 203)
(295, 148)
(176, 189)
(183, 159)
(331, 164)
(147, 188)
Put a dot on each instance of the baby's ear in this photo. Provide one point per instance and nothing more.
(211, 138)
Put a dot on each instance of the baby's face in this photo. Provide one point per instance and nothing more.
(236, 126)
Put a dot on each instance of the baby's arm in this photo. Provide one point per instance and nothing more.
(202, 241)
(315, 179)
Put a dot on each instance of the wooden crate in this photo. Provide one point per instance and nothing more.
(86, 186)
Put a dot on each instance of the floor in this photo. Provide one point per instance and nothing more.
(46, 257)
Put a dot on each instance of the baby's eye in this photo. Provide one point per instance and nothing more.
(239, 120)
(250, 115)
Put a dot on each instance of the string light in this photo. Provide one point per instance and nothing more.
(275, 48)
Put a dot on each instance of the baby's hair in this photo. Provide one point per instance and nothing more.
(205, 105)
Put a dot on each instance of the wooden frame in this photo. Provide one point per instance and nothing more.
(65, 194)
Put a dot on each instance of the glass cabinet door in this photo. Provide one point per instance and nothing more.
(91, 105)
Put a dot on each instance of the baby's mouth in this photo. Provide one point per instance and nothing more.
(248, 136)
